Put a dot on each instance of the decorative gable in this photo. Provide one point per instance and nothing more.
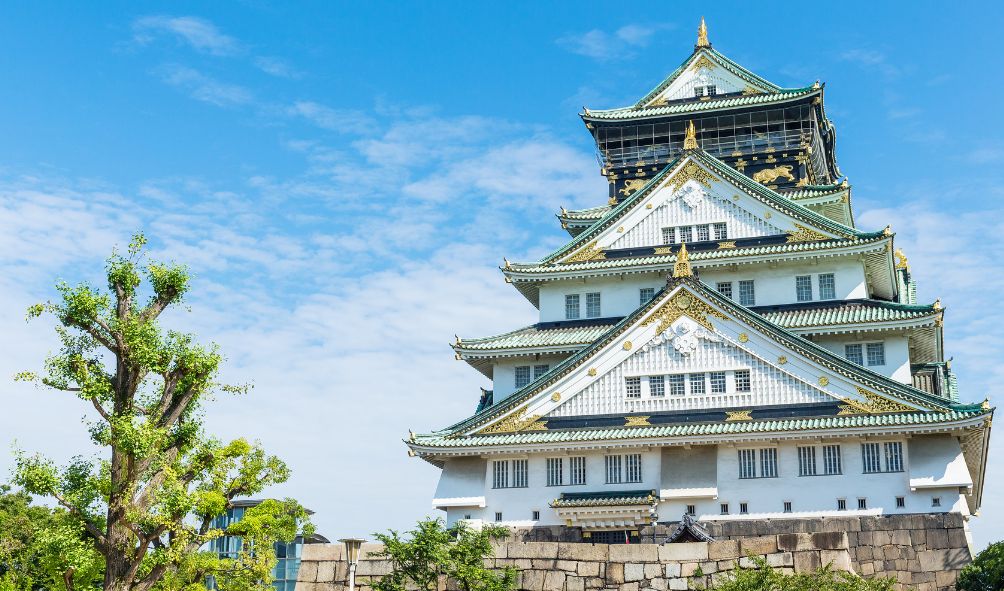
(701, 71)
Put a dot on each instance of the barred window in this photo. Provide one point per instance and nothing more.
(827, 287)
(676, 385)
(841, 504)
(703, 232)
(657, 386)
(862, 503)
(613, 469)
(632, 387)
(697, 384)
(593, 305)
(686, 234)
(831, 459)
(870, 457)
(744, 508)
(539, 370)
(876, 353)
(633, 464)
(743, 381)
(668, 235)
(803, 288)
(893, 456)
(935, 501)
(900, 502)
(853, 353)
(577, 470)
(498, 516)
(747, 293)
(555, 471)
(691, 510)
(747, 463)
(522, 375)
(519, 473)
(724, 288)
(572, 306)
(500, 474)
(787, 506)
(768, 462)
(536, 515)
(807, 461)
(721, 231)
(645, 295)
(723, 508)
(717, 379)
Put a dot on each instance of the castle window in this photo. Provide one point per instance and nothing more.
(870, 457)
(555, 471)
(522, 375)
(498, 516)
(900, 502)
(827, 287)
(787, 506)
(724, 288)
(717, 379)
(613, 469)
(669, 235)
(703, 232)
(743, 382)
(747, 463)
(936, 501)
(645, 295)
(697, 385)
(577, 469)
(747, 294)
(768, 462)
(691, 510)
(721, 231)
(536, 516)
(520, 473)
(803, 288)
(862, 503)
(539, 370)
(893, 456)
(657, 386)
(626, 468)
(853, 354)
(744, 508)
(676, 385)
(500, 474)
(632, 387)
(831, 459)
(892, 453)
(593, 305)
(876, 353)
(633, 465)
(724, 508)
(686, 234)
(467, 516)
(572, 306)
(841, 504)
(807, 461)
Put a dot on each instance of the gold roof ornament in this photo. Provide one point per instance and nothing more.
(682, 266)
(702, 35)
(690, 142)
(937, 304)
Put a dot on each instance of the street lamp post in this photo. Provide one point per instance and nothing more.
(352, 546)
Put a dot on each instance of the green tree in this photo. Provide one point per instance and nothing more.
(764, 578)
(147, 502)
(985, 572)
(432, 550)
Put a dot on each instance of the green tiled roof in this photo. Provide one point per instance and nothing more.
(606, 499)
(702, 429)
(815, 191)
(531, 337)
(590, 214)
(697, 106)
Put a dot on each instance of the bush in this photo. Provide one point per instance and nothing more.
(985, 572)
(764, 578)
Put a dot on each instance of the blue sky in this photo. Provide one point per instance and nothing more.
(344, 179)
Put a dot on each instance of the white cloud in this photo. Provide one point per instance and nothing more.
(276, 67)
(205, 88)
(198, 33)
(342, 120)
(602, 45)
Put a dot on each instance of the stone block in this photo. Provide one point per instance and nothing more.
(615, 573)
(781, 559)
(634, 553)
(794, 542)
(709, 567)
(587, 569)
(937, 539)
(724, 549)
(957, 538)
(554, 580)
(916, 578)
(634, 571)
(532, 550)
(566, 565)
(532, 580)
(881, 538)
(840, 524)
(918, 537)
(944, 559)
(322, 552)
(683, 551)
(891, 553)
(830, 540)
(946, 578)
(325, 570)
(953, 520)
(653, 570)
(575, 584)
(864, 553)
(374, 568)
(659, 584)
(867, 569)
(837, 559)
(594, 583)
(678, 584)
(689, 569)
(747, 562)
(308, 572)
(761, 545)
(629, 587)
(806, 561)
(596, 552)
(543, 564)
(672, 570)
(901, 537)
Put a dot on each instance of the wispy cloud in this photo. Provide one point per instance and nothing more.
(344, 120)
(276, 67)
(603, 46)
(195, 32)
(871, 59)
(205, 88)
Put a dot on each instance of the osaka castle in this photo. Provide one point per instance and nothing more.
(717, 340)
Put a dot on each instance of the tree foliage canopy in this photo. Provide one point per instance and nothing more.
(764, 578)
(985, 572)
(147, 503)
(431, 551)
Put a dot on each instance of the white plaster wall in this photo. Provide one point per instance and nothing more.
(897, 354)
(683, 87)
(810, 495)
(504, 382)
(773, 285)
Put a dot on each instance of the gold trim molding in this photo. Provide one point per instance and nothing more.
(803, 234)
(515, 422)
(589, 253)
(683, 303)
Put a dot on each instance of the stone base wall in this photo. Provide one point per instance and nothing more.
(563, 566)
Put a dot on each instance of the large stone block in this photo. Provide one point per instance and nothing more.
(308, 572)
(684, 551)
(781, 559)
(672, 570)
(957, 538)
(937, 539)
(321, 552)
(543, 564)
(945, 559)
(532, 580)
(724, 549)
(500, 549)
(587, 569)
(901, 537)
(678, 584)
(837, 559)
(532, 550)
(374, 568)
(567, 565)
(597, 552)
(615, 573)
(806, 561)
(554, 580)
(761, 545)
(830, 540)
(634, 571)
(652, 570)
(325, 571)
(629, 587)
(946, 578)
(634, 553)
(575, 584)
(794, 542)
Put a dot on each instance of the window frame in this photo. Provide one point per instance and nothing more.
(829, 291)
(594, 304)
(803, 288)
(747, 297)
(573, 306)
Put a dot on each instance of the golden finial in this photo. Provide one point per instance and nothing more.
(682, 266)
(506, 263)
(937, 304)
(563, 210)
(411, 435)
(985, 405)
(458, 341)
(690, 142)
(702, 35)
(901, 262)
(887, 231)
